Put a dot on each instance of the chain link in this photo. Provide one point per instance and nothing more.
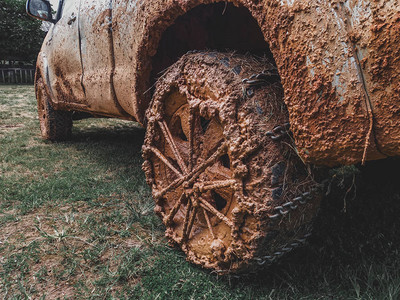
(281, 211)
(279, 132)
(269, 259)
(255, 81)
(285, 208)
(261, 78)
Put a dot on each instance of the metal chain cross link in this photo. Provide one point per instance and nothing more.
(281, 211)
(279, 132)
(266, 77)
(285, 208)
(269, 259)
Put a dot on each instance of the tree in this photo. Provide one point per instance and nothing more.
(20, 35)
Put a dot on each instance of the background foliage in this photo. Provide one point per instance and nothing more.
(20, 35)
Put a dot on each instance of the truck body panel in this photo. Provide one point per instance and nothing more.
(339, 64)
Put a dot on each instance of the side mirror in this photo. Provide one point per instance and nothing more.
(40, 9)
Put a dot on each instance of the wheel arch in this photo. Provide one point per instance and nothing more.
(323, 91)
(147, 23)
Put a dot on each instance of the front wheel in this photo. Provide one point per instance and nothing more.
(227, 182)
(55, 125)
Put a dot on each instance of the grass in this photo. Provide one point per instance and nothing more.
(76, 221)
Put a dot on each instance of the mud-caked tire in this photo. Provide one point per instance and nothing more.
(55, 125)
(227, 181)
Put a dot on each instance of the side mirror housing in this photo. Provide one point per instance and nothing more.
(40, 9)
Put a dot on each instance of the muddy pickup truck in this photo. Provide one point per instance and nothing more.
(239, 99)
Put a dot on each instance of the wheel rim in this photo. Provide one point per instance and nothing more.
(192, 167)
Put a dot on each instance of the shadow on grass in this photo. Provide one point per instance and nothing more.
(103, 160)
(113, 148)
(355, 247)
(124, 140)
(353, 254)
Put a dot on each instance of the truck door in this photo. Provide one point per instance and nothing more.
(64, 59)
(95, 25)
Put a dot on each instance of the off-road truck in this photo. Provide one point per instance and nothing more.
(238, 99)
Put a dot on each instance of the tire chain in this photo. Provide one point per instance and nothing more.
(255, 81)
(270, 259)
(283, 211)
(277, 134)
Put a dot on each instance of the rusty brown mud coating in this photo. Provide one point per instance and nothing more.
(217, 173)
(382, 70)
(338, 61)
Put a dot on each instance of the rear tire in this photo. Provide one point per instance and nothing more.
(55, 125)
(227, 182)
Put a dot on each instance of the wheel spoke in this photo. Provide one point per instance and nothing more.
(175, 209)
(212, 185)
(165, 160)
(186, 221)
(167, 134)
(191, 141)
(191, 221)
(204, 204)
(208, 223)
(174, 184)
(211, 160)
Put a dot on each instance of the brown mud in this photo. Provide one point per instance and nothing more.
(313, 46)
(226, 184)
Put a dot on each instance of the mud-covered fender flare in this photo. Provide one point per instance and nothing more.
(318, 61)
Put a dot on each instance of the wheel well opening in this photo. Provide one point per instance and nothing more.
(219, 26)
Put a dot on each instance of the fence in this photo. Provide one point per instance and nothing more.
(17, 75)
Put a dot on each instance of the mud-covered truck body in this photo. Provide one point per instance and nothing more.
(236, 97)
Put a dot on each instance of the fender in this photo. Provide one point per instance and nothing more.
(324, 56)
